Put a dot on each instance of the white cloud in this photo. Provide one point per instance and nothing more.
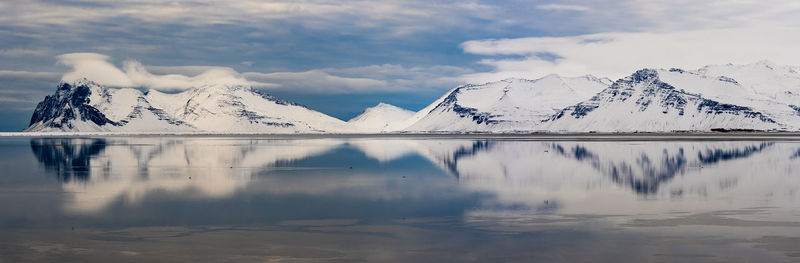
(94, 67)
(683, 15)
(618, 54)
(139, 75)
(183, 70)
(660, 33)
(560, 7)
(366, 79)
(97, 68)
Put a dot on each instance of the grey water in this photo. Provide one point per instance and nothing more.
(398, 199)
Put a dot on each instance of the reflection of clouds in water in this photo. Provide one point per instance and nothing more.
(578, 177)
(130, 169)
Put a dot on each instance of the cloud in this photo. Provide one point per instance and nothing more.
(21, 52)
(409, 79)
(681, 15)
(94, 67)
(182, 70)
(560, 7)
(366, 79)
(16, 100)
(97, 68)
(27, 74)
(399, 17)
(618, 54)
(385, 71)
(317, 81)
(23, 89)
(138, 74)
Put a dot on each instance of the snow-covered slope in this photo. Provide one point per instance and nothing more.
(381, 118)
(760, 96)
(512, 104)
(763, 86)
(645, 102)
(85, 106)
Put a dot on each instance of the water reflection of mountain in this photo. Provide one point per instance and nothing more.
(718, 155)
(67, 158)
(99, 171)
(640, 167)
(647, 170)
(600, 176)
(464, 151)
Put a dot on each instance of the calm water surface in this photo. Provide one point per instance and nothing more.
(397, 199)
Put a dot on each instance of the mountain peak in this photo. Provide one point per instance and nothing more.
(381, 117)
(64, 85)
(383, 105)
(513, 80)
(84, 82)
(86, 106)
(68, 105)
(644, 75)
(552, 76)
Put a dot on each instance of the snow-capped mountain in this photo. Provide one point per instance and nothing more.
(760, 96)
(512, 104)
(381, 118)
(770, 88)
(645, 102)
(85, 106)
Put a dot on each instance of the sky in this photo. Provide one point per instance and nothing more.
(339, 57)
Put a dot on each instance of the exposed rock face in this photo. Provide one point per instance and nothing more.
(68, 104)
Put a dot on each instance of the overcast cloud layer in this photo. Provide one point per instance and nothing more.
(341, 56)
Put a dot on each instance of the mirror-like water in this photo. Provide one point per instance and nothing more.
(398, 199)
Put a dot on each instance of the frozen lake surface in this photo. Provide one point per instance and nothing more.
(400, 198)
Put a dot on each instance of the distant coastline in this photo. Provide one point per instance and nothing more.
(566, 136)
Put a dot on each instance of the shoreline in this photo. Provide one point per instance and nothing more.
(622, 136)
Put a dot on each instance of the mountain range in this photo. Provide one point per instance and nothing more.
(755, 97)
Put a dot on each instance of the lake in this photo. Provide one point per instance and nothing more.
(400, 199)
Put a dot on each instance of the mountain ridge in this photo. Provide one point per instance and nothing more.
(209, 108)
(761, 97)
